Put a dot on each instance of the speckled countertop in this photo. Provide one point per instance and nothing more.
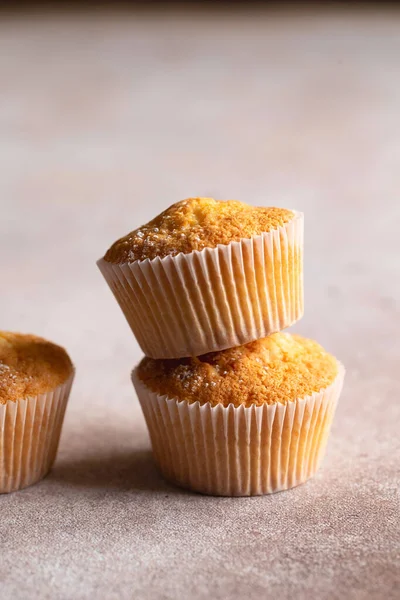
(107, 119)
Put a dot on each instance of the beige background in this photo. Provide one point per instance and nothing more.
(105, 120)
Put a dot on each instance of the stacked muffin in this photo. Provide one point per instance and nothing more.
(233, 406)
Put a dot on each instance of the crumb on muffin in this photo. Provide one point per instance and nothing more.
(30, 365)
(279, 368)
(194, 224)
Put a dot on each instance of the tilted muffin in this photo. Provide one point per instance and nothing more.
(206, 275)
(245, 421)
(35, 381)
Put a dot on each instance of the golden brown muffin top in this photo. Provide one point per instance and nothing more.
(29, 366)
(279, 368)
(194, 224)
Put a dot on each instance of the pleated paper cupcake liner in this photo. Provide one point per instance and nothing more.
(228, 451)
(29, 434)
(216, 298)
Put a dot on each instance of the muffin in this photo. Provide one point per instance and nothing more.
(206, 275)
(245, 421)
(35, 382)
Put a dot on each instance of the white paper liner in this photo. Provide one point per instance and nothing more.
(216, 298)
(228, 451)
(29, 434)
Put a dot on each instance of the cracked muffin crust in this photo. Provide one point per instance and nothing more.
(194, 224)
(279, 368)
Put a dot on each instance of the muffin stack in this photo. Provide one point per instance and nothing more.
(233, 406)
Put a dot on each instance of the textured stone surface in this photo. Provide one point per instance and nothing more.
(106, 121)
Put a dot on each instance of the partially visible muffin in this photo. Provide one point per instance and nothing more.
(244, 421)
(195, 224)
(206, 275)
(35, 381)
